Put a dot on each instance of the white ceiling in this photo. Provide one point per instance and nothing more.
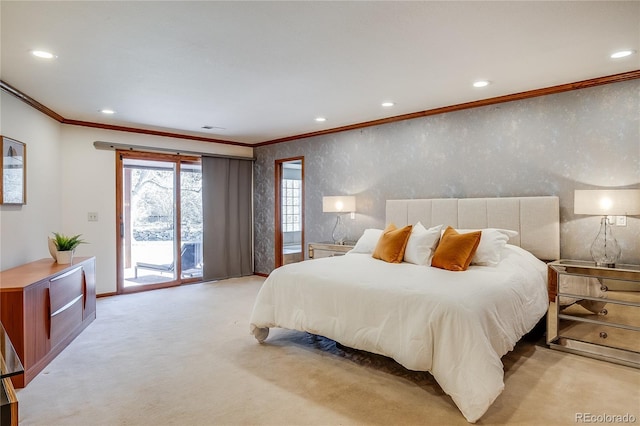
(265, 70)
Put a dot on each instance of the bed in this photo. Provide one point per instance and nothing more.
(456, 325)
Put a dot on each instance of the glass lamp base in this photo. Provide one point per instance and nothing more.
(605, 250)
(339, 232)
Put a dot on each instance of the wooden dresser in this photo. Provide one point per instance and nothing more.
(43, 307)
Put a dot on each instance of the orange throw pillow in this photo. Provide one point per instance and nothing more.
(392, 244)
(455, 251)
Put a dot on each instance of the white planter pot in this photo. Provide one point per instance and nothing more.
(52, 249)
(64, 257)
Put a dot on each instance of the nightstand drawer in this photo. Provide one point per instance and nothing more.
(600, 334)
(319, 253)
(606, 312)
(319, 250)
(572, 287)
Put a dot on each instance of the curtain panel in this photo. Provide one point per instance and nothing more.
(227, 218)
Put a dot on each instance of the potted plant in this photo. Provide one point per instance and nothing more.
(65, 246)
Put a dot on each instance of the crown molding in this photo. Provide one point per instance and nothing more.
(49, 112)
(631, 75)
(599, 81)
(152, 132)
(30, 101)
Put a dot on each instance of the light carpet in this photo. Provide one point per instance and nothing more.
(184, 356)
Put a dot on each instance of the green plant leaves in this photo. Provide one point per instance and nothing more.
(67, 243)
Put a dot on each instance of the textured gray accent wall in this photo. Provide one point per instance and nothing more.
(549, 145)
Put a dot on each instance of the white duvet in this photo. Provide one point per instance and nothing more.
(456, 325)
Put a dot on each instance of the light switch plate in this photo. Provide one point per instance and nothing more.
(92, 216)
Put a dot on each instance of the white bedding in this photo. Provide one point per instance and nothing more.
(456, 325)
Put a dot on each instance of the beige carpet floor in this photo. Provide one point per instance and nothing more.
(184, 356)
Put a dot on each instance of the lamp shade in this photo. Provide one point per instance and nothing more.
(342, 203)
(603, 202)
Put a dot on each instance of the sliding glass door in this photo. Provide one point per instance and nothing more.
(190, 220)
(159, 220)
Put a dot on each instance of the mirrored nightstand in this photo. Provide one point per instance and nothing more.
(327, 249)
(612, 331)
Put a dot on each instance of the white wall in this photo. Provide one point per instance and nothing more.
(67, 178)
(24, 229)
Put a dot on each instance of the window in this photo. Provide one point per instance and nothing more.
(291, 205)
(160, 215)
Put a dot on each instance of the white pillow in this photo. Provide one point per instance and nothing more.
(508, 232)
(367, 242)
(491, 244)
(421, 244)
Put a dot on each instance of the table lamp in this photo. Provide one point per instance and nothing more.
(605, 250)
(339, 204)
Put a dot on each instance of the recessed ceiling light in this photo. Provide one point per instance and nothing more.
(622, 54)
(107, 111)
(388, 104)
(42, 54)
(320, 119)
(481, 83)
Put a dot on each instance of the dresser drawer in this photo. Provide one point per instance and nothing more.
(65, 288)
(66, 297)
(66, 320)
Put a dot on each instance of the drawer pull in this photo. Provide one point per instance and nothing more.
(604, 288)
(66, 274)
(67, 306)
(603, 312)
(603, 335)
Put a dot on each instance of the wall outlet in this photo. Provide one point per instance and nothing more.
(621, 221)
(92, 216)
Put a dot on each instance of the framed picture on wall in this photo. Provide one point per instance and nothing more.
(14, 172)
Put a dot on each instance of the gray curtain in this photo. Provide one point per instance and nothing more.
(227, 218)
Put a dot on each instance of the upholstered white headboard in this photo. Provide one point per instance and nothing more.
(537, 219)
